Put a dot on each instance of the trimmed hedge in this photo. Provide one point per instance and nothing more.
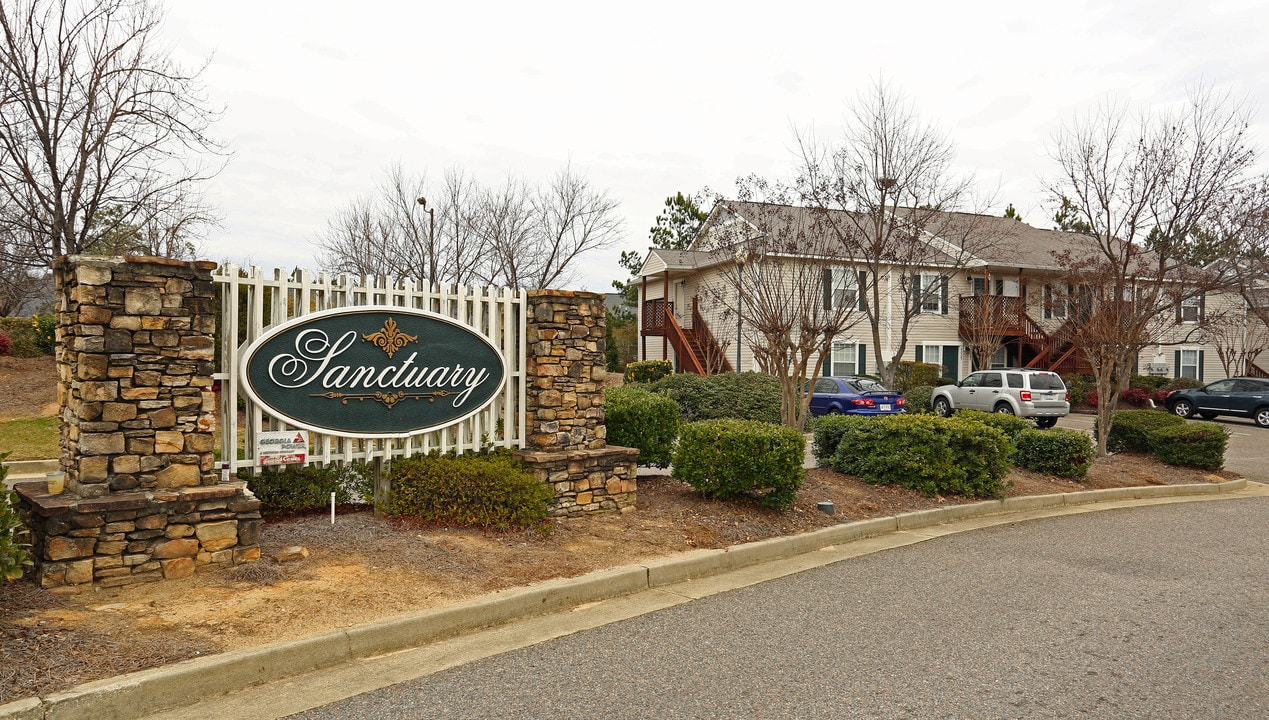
(491, 490)
(642, 419)
(1183, 383)
(1060, 452)
(307, 488)
(917, 399)
(908, 374)
(646, 371)
(927, 453)
(740, 396)
(1134, 430)
(1010, 425)
(827, 435)
(1198, 446)
(726, 459)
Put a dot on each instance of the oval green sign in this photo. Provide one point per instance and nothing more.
(372, 371)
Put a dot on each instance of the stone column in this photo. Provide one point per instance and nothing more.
(134, 368)
(565, 374)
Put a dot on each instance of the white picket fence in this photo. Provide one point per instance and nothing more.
(267, 300)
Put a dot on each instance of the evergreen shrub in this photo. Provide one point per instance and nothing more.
(1197, 446)
(1060, 452)
(646, 371)
(639, 418)
(917, 399)
(307, 488)
(739, 396)
(927, 453)
(727, 459)
(1010, 425)
(1135, 430)
(489, 490)
(908, 374)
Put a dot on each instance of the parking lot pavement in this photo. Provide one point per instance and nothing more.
(1247, 453)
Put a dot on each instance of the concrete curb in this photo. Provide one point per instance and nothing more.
(150, 691)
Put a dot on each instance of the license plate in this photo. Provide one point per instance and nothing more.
(885, 407)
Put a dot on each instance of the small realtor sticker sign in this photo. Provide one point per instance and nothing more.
(282, 447)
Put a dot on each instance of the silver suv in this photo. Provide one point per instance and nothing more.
(1037, 394)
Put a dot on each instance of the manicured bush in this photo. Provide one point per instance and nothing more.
(1149, 383)
(826, 435)
(646, 371)
(1135, 430)
(492, 490)
(307, 488)
(741, 458)
(917, 399)
(1136, 397)
(13, 554)
(1079, 386)
(740, 396)
(1182, 383)
(908, 374)
(1010, 425)
(6, 345)
(639, 418)
(1060, 452)
(927, 453)
(1198, 446)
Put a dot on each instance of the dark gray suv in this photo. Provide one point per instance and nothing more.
(1037, 394)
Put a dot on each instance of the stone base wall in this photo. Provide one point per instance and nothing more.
(587, 481)
(134, 537)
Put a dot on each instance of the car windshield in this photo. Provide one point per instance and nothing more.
(1046, 381)
(864, 385)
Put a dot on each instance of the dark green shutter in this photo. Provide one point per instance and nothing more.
(1176, 363)
(828, 290)
(916, 291)
(1200, 366)
(863, 283)
(920, 353)
(861, 356)
(943, 296)
(828, 363)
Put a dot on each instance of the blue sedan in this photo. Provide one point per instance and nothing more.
(853, 396)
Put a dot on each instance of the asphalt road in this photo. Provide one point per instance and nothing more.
(1247, 453)
(1149, 612)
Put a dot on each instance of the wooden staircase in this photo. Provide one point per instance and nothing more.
(1007, 317)
(697, 349)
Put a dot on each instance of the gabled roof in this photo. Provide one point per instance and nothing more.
(661, 259)
(1016, 244)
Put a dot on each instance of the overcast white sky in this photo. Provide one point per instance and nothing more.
(656, 97)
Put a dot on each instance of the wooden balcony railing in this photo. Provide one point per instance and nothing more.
(655, 313)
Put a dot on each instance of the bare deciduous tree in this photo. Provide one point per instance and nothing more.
(777, 266)
(889, 196)
(1144, 185)
(95, 114)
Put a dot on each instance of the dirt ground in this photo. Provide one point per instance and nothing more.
(28, 388)
(363, 568)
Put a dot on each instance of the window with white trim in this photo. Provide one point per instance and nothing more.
(842, 361)
(845, 289)
(929, 289)
(1054, 303)
(1189, 364)
(1191, 309)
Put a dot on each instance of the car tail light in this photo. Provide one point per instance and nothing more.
(899, 402)
(863, 402)
(1068, 395)
(1025, 396)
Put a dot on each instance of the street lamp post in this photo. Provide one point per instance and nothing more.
(431, 234)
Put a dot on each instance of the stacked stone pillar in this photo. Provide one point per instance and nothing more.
(565, 370)
(143, 500)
